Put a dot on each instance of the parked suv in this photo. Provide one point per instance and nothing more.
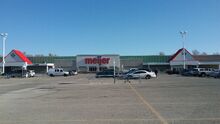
(57, 72)
(202, 71)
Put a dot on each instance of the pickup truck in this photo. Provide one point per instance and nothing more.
(203, 72)
(57, 72)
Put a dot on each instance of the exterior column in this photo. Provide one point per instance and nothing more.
(47, 67)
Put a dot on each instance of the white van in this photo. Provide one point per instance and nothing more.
(57, 72)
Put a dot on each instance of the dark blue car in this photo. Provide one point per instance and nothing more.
(105, 73)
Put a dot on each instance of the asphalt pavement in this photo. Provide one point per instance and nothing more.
(83, 99)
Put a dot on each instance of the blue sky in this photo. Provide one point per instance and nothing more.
(125, 27)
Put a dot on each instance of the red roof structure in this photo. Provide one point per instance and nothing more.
(177, 53)
(22, 56)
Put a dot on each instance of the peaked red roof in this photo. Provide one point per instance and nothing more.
(22, 56)
(177, 53)
(174, 55)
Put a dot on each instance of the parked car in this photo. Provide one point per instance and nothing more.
(141, 74)
(123, 74)
(132, 69)
(73, 72)
(215, 74)
(202, 72)
(187, 72)
(17, 73)
(106, 73)
(31, 73)
(57, 72)
(169, 71)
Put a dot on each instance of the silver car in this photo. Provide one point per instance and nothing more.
(141, 74)
(215, 74)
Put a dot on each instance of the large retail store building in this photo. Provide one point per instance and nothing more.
(94, 63)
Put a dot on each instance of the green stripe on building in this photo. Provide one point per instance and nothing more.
(145, 59)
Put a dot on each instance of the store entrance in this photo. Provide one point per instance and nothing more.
(92, 69)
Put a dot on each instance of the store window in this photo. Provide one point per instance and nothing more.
(102, 68)
(82, 69)
(92, 69)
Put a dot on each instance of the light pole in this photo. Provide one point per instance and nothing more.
(183, 34)
(4, 36)
(114, 69)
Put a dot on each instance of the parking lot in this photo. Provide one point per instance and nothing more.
(83, 99)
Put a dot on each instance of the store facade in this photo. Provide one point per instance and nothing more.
(177, 61)
(16, 60)
(95, 63)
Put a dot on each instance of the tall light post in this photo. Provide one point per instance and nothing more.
(4, 37)
(183, 35)
(114, 69)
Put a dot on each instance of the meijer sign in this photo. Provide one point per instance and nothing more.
(97, 60)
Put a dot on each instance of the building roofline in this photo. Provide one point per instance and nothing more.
(156, 63)
(178, 52)
(98, 55)
(20, 55)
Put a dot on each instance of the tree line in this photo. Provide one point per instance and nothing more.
(196, 52)
(39, 55)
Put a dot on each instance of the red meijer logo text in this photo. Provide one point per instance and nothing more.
(97, 60)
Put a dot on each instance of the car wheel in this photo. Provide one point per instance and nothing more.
(148, 77)
(129, 77)
(203, 74)
(51, 75)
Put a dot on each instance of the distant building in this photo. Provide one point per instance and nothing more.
(16, 60)
(206, 61)
(94, 63)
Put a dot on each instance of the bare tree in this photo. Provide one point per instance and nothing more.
(195, 52)
(50, 54)
(216, 53)
(24, 53)
(39, 55)
(29, 55)
(204, 53)
(161, 53)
